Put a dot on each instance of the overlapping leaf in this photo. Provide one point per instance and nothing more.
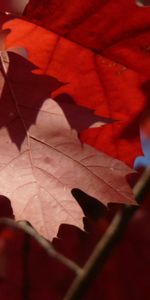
(91, 81)
(120, 32)
(116, 93)
(42, 159)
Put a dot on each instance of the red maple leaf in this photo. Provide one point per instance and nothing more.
(42, 159)
(119, 32)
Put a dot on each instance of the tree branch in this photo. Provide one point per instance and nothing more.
(47, 246)
(108, 242)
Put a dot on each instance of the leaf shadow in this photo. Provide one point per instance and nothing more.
(79, 117)
(22, 96)
(81, 243)
(6, 210)
(92, 208)
(77, 244)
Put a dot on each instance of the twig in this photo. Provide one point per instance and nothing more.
(142, 187)
(48, 247)
(26, 254)
(108, 242)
